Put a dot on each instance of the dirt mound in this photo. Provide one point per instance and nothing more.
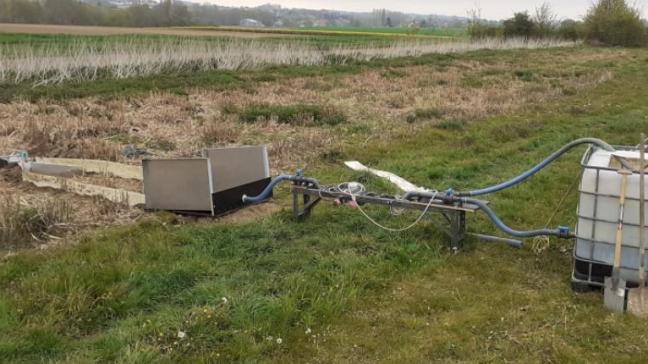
(251, 213)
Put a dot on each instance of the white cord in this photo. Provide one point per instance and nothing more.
(353, 197)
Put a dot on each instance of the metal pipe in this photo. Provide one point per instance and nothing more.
(496, 239)
(642, 213)
(538, 167)
(432, 195)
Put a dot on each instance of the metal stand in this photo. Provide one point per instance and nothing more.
(457, 222)
(306, 197)
(302, 210)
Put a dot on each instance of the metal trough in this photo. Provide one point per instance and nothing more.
(212, 185)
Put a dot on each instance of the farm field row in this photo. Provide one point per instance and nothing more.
(45, 29)
(220, 30)
(334, 288)
(29, 33)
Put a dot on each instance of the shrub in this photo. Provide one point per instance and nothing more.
(520, 25)
(614, 23)
(571, 30)
(478, 28)
(544, 21)
(481, 31)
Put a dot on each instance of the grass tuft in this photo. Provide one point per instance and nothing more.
(429, 113)
(453, 124)
(525, 75)
(22, 225)
(297, 114)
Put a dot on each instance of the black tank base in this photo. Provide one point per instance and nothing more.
(589, 275)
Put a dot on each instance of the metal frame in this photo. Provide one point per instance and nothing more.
(590, 279)
(306, 196)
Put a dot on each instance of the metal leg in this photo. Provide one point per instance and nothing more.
(457, 229)
(302, 209)
(296, 212)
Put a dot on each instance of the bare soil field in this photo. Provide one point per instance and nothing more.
(99, 30)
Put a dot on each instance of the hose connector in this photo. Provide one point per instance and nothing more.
(565, 233)
(449, 196)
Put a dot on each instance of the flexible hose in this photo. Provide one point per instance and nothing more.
(561, 233)
(512, 182)
(265, 194)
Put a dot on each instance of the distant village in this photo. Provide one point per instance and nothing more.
(153, 13)
(272, 15)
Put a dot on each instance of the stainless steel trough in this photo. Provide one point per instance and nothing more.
(212, 185)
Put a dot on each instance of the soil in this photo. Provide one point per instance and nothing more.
(93, 212)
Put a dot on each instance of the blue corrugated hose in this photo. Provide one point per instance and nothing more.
(538, 167)
(265, 194)
(560, 232)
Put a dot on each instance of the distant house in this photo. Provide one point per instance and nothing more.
(251, 23)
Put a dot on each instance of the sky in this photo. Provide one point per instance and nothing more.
(491, 9)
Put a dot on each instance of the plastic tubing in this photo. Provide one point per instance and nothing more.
(512, 232)
(514, 181)
(265, 194)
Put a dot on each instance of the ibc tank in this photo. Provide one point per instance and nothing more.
(598, 214)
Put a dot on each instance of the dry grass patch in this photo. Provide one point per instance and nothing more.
(287, 114)
(22, 224)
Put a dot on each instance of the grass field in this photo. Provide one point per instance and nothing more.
(333, 288)
(31, 33)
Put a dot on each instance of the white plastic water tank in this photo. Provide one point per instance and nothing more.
(598, 214)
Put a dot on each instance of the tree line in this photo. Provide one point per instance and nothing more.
(72, 12)
(608, 22)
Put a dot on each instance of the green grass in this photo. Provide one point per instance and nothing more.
(156, 279)
(322, 40)
(123, 295)
(217, 80)
(320, 37)
(58, 40)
